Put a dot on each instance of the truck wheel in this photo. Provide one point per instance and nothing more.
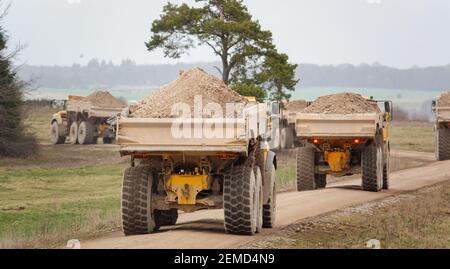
(287, 138)
(55, 135)
(306, 178)
(86, 133)
(165, 217)
(73, 133)
(259, 199)
(137, 213)
(321, 181)
(108, 140)
(442, 144)
(240, 200)
(270, 209)
(372, 168)
(386, 174)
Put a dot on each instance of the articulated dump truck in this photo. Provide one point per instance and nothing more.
(187, 172)
(341, 145)
(83, 122)
(442, 127)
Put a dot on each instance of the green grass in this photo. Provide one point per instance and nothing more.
(57, 204)
(416, 136)
(286, 176)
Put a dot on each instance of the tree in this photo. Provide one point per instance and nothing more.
(14, 140)
(278, 75)
(225, 26)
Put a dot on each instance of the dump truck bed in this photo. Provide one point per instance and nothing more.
(443, 114)
(337, 125)
(91, 110)
(146, 135)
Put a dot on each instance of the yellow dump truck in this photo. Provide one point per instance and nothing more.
(442, 130)
(341, 145)
(82, 122)
(178, 165)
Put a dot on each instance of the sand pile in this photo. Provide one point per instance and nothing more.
(191, 83)
(444, 99)
(104, 99)
(295, 105)
(342, 103)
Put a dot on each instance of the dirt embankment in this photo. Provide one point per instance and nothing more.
(103, 99)
(342, 103)
(191, 83)
(444, 99)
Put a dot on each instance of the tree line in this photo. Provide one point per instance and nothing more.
(107, 75)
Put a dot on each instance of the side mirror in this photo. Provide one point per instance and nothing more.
(387, 107)
(275, 108)
(433, 106)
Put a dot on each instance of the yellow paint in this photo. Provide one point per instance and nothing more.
(251, 99)
(338, 160)
(386, 129)
(187, 186)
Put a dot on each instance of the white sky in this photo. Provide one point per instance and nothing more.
(399, 33)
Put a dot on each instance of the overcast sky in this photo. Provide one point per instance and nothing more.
(399, 33)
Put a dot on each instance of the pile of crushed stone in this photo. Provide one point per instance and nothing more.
(342, 103)
(295, 105)
(190, 83)
(103, 99)
(444, 100)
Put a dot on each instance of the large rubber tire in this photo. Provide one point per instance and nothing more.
(372, 168)
(165, 217)
(386, 174)
(240, 200)
(55, 134)
(86, 132)
(305, 169)
(73, 133)
(442, 144)
(287, 138)
(321, 181)
(270, 209)
(259, 198)
(108, 140)
(137, 212)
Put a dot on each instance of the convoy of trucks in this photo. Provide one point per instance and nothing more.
(237, 173)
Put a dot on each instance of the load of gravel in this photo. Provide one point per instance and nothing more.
(342, 103)
(444, 100)
(103, 99)
(191, 83)
(295, 105)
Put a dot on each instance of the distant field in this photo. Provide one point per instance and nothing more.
(416, 136)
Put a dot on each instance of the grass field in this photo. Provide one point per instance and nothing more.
(74, 191)
(416, 220)
(416, 136)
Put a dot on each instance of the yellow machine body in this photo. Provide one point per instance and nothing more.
(338, 160)
(186, 187)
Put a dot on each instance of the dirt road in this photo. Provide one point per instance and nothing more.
(205, 229)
